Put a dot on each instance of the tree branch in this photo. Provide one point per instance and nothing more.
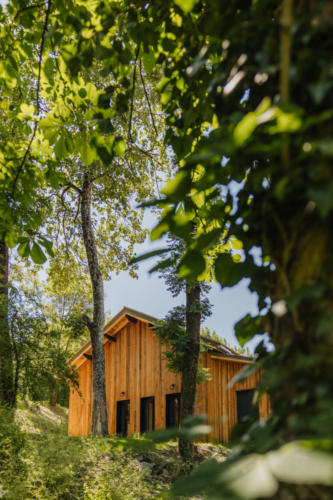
(70, 185)
(33, 6)
(40, 61)
(133, 92)
(86, 320)
(147, 97)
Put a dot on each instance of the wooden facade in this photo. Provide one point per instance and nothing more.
(136, 374)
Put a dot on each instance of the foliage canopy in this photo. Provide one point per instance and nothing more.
(247, 96)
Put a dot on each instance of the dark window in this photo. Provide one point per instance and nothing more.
(147, 414)
(123, 413)
(172, 410)
(245, 406)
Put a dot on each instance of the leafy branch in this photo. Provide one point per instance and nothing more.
(40, 61)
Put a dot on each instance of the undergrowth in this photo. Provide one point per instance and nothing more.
(39, 461)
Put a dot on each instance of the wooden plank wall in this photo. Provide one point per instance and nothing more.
(135, 369)
(219, 402)
(79, 415)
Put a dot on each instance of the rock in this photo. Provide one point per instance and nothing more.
(147, 465)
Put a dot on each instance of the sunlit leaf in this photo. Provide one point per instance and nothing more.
(120, 147)
(37, 254)
(24, 249)
(186, 5)
(10, 239)
(191, 265)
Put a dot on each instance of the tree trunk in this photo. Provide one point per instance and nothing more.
(16, 369)
(53, 397)
(6, 353)
(191, 361)
(99, 425)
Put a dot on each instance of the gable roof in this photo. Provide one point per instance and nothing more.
(127, 314)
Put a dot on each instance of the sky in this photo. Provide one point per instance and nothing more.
(148, 294)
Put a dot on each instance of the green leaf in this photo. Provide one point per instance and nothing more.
(197, 431)
(244, 374)
(236, 244)
(27, 109)
(10, 240)
(245, 128)
(148, 61)
(158, 231)
(120, 147)
(162, 265)
(49, 70)
(293, 463)
(178, 185)
(227, 272)
(251, 474)
(248, 327)
(50, 129)
(24, 249)
(88, 154)
(48, 246)
(164, 435)
(60, 148)
(191, 265)
(186, 5)
(148, 255)
(82, 93)
(37, 254)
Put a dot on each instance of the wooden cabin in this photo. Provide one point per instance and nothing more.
(143, 395)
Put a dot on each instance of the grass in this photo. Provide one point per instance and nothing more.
(39, 461)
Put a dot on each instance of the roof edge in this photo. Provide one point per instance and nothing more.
(232, 356)
(229, 352)
(112, 322)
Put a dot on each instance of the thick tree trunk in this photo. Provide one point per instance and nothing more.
(6, 354)
(191, 361)
(99, 425)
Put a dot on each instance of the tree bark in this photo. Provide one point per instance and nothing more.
(6, 353)
(53, 397)
(99, 426)
(190, 368)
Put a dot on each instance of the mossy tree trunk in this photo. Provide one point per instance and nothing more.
(99, 425)
(191, 362)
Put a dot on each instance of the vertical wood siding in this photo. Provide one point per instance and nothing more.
(135, 369)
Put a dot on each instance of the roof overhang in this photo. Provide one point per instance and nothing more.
(232, 358)
(127, 315)
(121, 319)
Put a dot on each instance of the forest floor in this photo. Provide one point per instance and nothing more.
(39, 461)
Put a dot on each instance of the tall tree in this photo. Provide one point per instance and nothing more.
(180, 332)
(72, 118)
(95, 210)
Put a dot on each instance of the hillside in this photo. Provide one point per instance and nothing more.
(39, 461)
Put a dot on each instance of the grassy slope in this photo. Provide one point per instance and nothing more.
(39, 461)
